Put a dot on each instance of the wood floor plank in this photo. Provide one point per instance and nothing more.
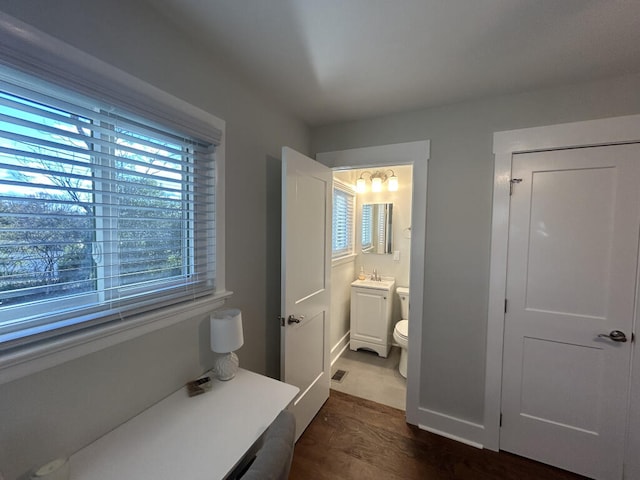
(354, 438)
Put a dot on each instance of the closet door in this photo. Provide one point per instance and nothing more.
(571, 283)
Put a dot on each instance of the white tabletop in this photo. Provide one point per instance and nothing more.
(187, 438)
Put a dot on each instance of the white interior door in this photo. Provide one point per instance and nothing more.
(306, 274)
(572, 267)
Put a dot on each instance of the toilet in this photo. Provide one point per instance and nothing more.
(401, 331)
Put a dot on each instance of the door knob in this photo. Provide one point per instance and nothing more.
(293, 319)
(615, 335)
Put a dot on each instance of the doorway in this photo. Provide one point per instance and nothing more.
(532, 406)
(372, 158)
(381, 242)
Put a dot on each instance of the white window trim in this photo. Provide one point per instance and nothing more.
(350, 257)
(27, 48)
(31, 359)
(347, 256)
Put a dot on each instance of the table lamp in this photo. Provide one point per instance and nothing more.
(226, 336)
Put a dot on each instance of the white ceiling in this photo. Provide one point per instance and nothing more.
(334, 60)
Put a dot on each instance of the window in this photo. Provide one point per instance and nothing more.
(342, 225)
(103, 213)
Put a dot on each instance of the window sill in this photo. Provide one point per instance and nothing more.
(342, 260)
(32, 359)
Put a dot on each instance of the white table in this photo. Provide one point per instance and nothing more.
(187, 438)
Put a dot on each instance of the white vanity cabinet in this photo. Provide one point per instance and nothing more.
(371, 307)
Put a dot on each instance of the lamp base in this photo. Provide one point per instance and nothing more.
(226, 366)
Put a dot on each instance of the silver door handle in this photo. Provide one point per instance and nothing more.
(293, 319)
(615, 335)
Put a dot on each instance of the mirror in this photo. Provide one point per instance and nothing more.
(376, 231)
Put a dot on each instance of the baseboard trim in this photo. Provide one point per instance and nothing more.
(339, 348)
(451, 427)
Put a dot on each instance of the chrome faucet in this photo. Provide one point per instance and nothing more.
(375, 275)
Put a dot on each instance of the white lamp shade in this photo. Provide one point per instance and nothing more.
(361, 186)
(226, 330)
(376, 184)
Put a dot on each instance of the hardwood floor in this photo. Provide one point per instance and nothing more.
(354, 438)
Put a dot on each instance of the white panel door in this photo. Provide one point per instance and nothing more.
(572, 267)
(306, 273)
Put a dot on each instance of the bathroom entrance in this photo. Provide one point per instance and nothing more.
(366, 359)
(366, 311)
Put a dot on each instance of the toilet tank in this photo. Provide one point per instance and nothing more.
(403, 293)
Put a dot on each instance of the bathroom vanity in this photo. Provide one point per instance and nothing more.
(371, 307)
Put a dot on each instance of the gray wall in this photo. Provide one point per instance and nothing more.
(57, 411)
(459, 195)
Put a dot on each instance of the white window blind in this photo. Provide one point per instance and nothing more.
(342, 228)
(367, 227)
(381, 230)
(103, 213)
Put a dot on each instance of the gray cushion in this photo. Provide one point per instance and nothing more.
(273, 461)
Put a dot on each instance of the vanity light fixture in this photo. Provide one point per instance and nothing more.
(377, 178)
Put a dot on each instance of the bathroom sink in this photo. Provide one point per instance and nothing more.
(387, 283)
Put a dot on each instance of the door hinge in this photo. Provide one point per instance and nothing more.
(506, 302)
(511, 182)
(500, 418)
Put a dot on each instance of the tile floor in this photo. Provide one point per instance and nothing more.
(372, 377)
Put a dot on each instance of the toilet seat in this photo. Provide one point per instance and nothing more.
(400, 333)
(401, 336)
(402, 329)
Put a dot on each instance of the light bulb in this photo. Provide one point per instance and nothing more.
(393, 183)
(361, 186)
(376, 184)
